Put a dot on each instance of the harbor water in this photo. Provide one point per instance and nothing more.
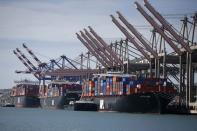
(36, 119)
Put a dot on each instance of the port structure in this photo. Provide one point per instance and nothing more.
(184, 48)
(169, 54)
(60, 68)
(179, 64)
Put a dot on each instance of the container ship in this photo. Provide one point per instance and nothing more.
(128, 93)
(59, 93)
(26, 93)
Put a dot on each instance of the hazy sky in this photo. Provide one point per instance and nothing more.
(49, 27)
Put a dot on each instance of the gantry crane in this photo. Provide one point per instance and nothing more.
(28, 67)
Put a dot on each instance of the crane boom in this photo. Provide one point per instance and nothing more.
(107, 56)
(53, 61)
(64, 57)
(32, 54)
(23, 61)
(138, 35)
(167, 26)
(157, 28)
(25, 72)
(96, 49)
(113, 54)
(91, 50)
(25, 58)
(130, 37)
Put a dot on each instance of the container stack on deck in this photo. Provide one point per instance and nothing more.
(59, 93)
(124, 85)
(127, 93)
(25, 90)
(26, 94)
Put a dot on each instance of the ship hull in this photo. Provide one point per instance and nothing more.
(26, 101)
(134, 103)
(56, 102)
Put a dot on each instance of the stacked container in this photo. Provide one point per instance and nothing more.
(113, 85)
(55, 91)
(110, 85)
(96, 90)
(32, 90)
(109, 82)
(104, 89)
(86, 88)
(91, 88)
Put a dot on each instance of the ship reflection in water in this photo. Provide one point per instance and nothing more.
(37, 119)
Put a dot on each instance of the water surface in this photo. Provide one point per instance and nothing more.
(28, 119)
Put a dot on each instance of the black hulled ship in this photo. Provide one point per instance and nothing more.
(59, 93)
(26, 93)
(127, 93)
